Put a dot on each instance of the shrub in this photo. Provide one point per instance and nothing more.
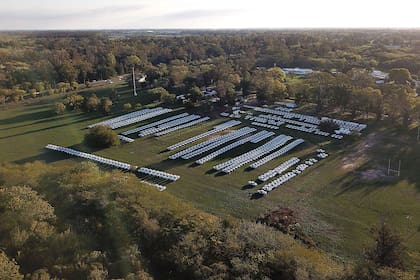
(101, 137)
(59, 108)
(127, 107)
(328, 126)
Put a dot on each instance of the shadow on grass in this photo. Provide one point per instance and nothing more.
(80, 118)
(43, 129)
(220, 174)
(28, 117)
(211, 171)
(165, 164)
(247, 187)
(47, 157)
(255, 196)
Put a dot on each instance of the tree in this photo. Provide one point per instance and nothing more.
(328, 126)
(9, 270)
(321, 83)
(399, 102)
(127, 106)
(106, 105)
(63, 87)
(132, 60)
(196, 94)
(74, 101)
(40, 86)
(400, 76)
(388, 250)
(178, 71)
(168, 98)
(92, 103)
(85, 67)
(59, 108)
(17, 94)
(158, 92)
(25, 216)
(101, 137)
(277, 73)
(68, 72)
(376, 102)
(226, 91)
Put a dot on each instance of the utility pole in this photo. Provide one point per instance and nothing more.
(134, 83)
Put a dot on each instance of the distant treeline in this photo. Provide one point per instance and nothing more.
(245, 62)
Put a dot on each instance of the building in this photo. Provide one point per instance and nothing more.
(298, 71)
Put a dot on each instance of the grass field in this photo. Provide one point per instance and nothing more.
(337, 207)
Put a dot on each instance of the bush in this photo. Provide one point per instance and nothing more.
(59, 108)
(127, 107)
(328, 126)
(101, 137)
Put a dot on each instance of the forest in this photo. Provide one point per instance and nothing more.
(245, 63)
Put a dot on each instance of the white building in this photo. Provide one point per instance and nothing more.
(298, 71)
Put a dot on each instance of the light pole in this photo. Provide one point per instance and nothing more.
(134, 83)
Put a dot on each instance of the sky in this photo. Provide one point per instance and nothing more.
(213, 14)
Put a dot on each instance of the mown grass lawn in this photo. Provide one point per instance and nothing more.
(336, 207)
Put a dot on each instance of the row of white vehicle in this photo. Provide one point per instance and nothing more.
(165, 126)
(216, 129)
(153, 124)
(305, 120)
(207, 143)
(158, 174)
(260, 136)
(279, 169)
(131, 118)
(286, 177)
(123, 117)
(269, 126)
(150, 115)
(290, 115)
(92, 157)
(277, 153)
(179, 127)
(346, 126)
(263, 120)
(233, 164)
(125, 139)
(286, 120)
(218, 142)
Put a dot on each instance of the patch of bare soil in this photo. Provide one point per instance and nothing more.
(359, 154)
(373, 175)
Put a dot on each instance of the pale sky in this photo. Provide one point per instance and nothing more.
(214, 14)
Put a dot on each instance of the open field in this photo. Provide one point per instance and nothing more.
(334, 202)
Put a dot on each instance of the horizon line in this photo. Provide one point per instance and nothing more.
(210, 29)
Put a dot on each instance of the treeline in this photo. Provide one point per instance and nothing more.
(232, 63)
(78, 222)
(41, 60)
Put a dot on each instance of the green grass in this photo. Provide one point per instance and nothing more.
(336, 207)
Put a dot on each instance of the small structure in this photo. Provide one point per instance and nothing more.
(209, 92)
(380, 77)
(298, 71)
